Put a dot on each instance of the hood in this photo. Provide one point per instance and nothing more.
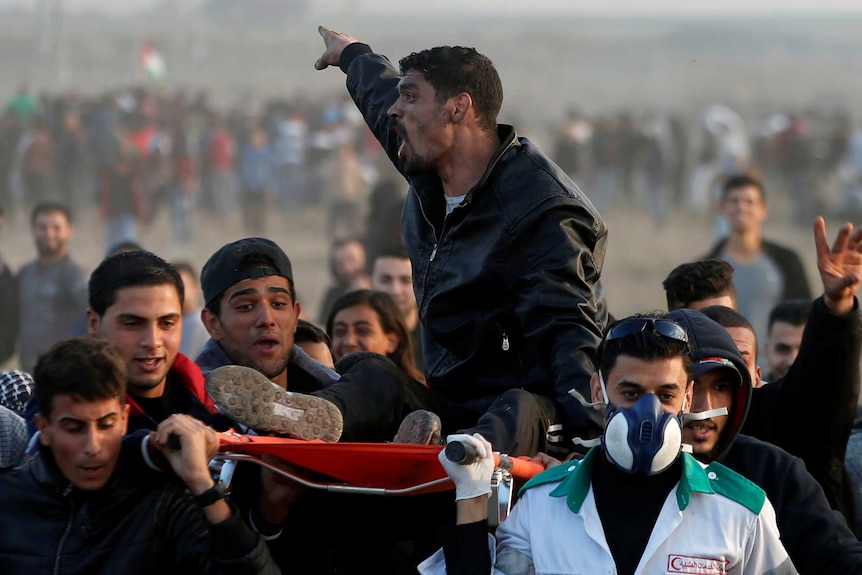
(711, 344)
(189, 375)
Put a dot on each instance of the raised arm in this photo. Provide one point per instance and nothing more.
(823, 382)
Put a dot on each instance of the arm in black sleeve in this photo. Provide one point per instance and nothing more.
(228, 547)
(372, 82)
(557, 257)
(466, 549)
(815, 536)
(810, 411)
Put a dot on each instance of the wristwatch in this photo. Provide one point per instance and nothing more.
(211, 495)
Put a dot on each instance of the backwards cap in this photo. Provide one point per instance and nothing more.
(240, 260)
(714, 349)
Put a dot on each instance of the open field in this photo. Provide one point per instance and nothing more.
(546, 66)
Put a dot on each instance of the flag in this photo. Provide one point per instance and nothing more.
(152, 61)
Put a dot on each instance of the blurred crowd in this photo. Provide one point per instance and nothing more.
(812, 159)
(133, 153)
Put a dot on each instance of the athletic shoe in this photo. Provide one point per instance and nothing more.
(249, 397)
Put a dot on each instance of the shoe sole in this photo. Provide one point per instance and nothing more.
(249, 397)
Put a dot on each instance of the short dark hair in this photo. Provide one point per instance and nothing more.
(85, 368)
(392, 250)
(307, 331)
(50, 208)
(728, 317)
(737, 181)
(130, 269)
(452, 70)
(792, 311)
(645, 344)
(696, 281)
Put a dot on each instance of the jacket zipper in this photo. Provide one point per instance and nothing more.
(66, 493)
(433, 251)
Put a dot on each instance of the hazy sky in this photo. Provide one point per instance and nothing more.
(592, 7)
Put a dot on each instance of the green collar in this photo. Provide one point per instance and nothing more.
(574, 480)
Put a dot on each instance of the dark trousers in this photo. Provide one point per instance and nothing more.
(374, 396)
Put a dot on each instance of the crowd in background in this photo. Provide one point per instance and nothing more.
(133, 153)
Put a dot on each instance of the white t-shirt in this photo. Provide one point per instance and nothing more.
(451, 202)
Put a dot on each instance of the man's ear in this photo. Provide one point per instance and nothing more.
(689, 397)
(94, 323)
(758, 377)
(42, 426)
(595, 388)
(212, 324)
(463, 104)
(126, 409)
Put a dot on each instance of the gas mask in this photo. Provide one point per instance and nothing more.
(643, 438)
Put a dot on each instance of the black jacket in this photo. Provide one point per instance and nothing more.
(508, 284)
(809, 412)
(138, 523)
(816, 537)
(792, 270)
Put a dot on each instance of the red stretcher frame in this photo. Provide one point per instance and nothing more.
(372, 468)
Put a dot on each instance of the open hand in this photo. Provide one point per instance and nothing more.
(840, 266)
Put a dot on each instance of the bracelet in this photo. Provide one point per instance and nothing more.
(215, 493)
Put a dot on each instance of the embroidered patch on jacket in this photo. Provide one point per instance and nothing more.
(698, 565)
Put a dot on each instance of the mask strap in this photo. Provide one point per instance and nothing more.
(587, 442)
(604, 389)
(577, 395)
(701, 415)
(596, 441)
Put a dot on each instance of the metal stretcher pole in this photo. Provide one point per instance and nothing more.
(332, 487)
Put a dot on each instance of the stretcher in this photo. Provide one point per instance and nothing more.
(368, 468)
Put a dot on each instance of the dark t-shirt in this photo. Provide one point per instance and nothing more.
(629, 505)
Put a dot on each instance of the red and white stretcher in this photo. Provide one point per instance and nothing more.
(372, 468)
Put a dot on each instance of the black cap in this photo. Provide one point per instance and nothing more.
(240, 260)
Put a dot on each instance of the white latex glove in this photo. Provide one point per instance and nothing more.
(474, 479)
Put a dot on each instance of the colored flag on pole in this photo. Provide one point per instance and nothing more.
(152, 62)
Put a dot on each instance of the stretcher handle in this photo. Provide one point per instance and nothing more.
(465, 454)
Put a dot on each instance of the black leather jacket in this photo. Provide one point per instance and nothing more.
(137, 523)
(507, 284)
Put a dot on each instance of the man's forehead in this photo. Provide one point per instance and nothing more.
(647, 372)
(744, 191)
(258, 285)
(741, 336)
(724, 374)
(71, 407)
(392, 263)
(143, 297)
(785, 329)
(413, 78)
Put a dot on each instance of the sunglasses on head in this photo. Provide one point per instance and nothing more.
(663, 327)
